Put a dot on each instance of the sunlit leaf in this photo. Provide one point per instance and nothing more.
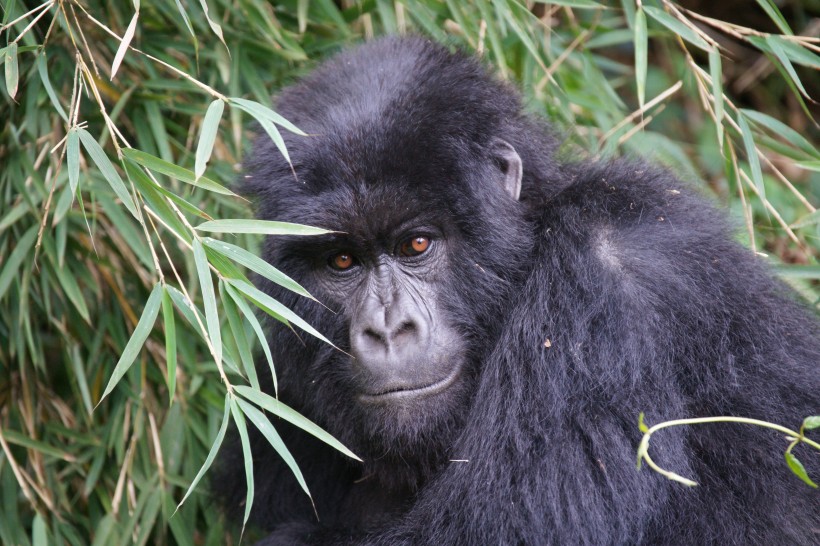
(107, 169)
(11, 69)
(207, 136)
(262, 227)
(798, 469)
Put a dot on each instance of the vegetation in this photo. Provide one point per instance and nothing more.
(122, 127)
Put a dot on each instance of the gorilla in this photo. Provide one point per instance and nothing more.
(503, 317)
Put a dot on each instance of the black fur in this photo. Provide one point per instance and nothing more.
(608, 290)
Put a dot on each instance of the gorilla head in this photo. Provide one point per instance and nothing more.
(503, 318)
(420, 267)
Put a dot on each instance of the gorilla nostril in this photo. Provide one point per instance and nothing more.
(374, 335)
(406, 327)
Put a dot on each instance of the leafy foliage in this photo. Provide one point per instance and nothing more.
(122, 125)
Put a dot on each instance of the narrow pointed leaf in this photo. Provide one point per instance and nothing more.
(247, 456)
(170, 343)
(751, 154)
(241, 340)
(264, 426)
(207, 136)
(208, 299)
(11, 268)
(250, 316)
(107, 169)
(275, 309)
(292, 416)
(211, 454)
(716, 73)
(124, 43)
(141, 332)
(259, 111)
(256, 264)
(261, 227)
(12, 70)
(174, 171)
(640, 55)
(73, 158)
(42, 69)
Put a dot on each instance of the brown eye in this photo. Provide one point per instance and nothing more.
(341, 261)
(415, 246)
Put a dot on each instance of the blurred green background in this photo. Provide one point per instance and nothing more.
(109, 111)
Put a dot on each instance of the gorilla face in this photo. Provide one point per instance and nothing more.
(410, 291)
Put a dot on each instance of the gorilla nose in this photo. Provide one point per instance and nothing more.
(387, 340)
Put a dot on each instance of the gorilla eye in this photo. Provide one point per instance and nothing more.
(415, 246)
(341, 261)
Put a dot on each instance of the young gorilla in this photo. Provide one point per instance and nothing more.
(508, 317)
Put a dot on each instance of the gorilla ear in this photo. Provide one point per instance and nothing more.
(509, 162)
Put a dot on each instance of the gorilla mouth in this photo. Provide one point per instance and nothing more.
(410, 393)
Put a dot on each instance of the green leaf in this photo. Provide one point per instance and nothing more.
(107, 169)
(22, 250)
(124, 43)
(12, 70)
(213, 24)
(211, 454)
(170, 343)
(751, 154)
(141, 332)
(207, 137)
(716, 73)
(73, 157)
(811, 422)
(266, 428)
(250, 316)
(810, 219)
(256, 264)
(275, 309)
(208, 299)
(239, 419)
(241, 340)
(42, 69)
(782, 130)
(677, 27)
(262, 227)
(301, 14)
(39, 537)
(292, 416)
(260, 111)
(799, 470)
(580, 4)
(775, 15)
(169, 169)
(640, 55)
(71, 289)
(774, 43)
(809, 165)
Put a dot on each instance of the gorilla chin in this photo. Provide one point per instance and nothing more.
(505, 315)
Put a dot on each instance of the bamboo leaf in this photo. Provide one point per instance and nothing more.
(292, 416)
(250, 316)
(132, 348)
(169, 169)
(241, 340)
(42, 69)
(22, 250)
(716, 73)
(124, 43)
(220, 436)
(12, 70)
(640, 55)
(751, 154)
(256, 264)
(215, 27)
(266, 428)
(247, 456)
(259, 111)
(261, 227)
(774, 14)
(107, 169)
(170, 343)
(208, 299)
(275, 309)
(73, 158)
(207, 136)
(677, 27)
